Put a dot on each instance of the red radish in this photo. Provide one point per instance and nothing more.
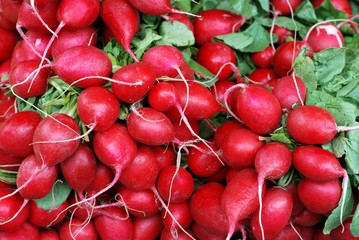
(175, 184)
(25, 82)
(8, 40)
(257, 107)
(327, 195)
(342, 5)
(161, 96)
(7, 105)
(138, 73)
(11, 218)
(140, 203)
(219, 89)
(282, 33)
(17, 131)
(164, 156)
(310, 124)
(183, 133)
(46, 218)
(74, 228)
(277, 210)
(225, 129)
(215, 22)
(76, 37)
(285, 55)
(264, 58)
(154, 7)
(5, 68)
(98, 107)
(51, 149)
(298, 206)
(10, 9)
(240, 198)
(307, 218)
(35, 44)
(168, 235)
(9, 162)
(6, 23)
(201, 160)
(147, 228)
(292, 232)
(101, 178)
(182, 18)
(79, 170)
(48, 234)
(27, 231)
(239, 148)
(214, 56)
(150, 127)
(285, 7)
(124, 28)
(290, 90)
(341, 233)
(83, 62)
(205, 233)
(115, 225)
(180, 212)
(262, 76)
(327, 166)
(332, 35)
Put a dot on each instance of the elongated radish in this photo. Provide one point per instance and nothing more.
(154, 7)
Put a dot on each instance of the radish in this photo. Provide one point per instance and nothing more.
(285, 7)
(341, 5)
(219, 90)
(164, 156)
(10, 9)
(147, 228)
(214, 55)
(240, 199)
(16, 133)
(27, 232)
(48, 234)
(74, 228)
(6, 23)
(307, 218)
(180, 212)
(282, 33)
(239, 148)
(150, 127)
(290, 231)
(46, 218)
(161, 96)
(264, 58)
(332, 35)
(182, 18)
(298, 206)
(8, 40)
(101, 178)
(168, 235)
(225, 129)
(215, 22)
(138, 72)
(154, 7)
(205, 233)
(9, 161)
(7, 105)
(98, 107)
(277, 210)
(183, 133)
(262, 76)
(124, 28)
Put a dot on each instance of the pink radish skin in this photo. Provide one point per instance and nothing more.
(51, 149)
(257, 107)
(240, 198)
(36, 41)
(333, 37)
(311, 125)
(154, 7)
(46, 218)
(7, 107)
(150, 127)
(164, 156)
(138, 73)
(6, 23)
(168, 235)
(80, 62)
(27, 231)
(285, 7)
(264, 58)
(180, 212)
(74, 228)
(215, 22)
(79, 170)
(147, 228)
(240, 147)
(277, 210)
(16, 133)
(182, 18)
(225, 129)
(97, 106)
(289, 232)
(123, 31)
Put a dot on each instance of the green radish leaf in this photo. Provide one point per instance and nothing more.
(261, 38)
(306, 12)
(354, 226)
(59, 193)
(176, 34)
(238, 40)
(327, 11)
(144, 40)
(264, 4)
(8, 177)
(342, 211)
(206, 77)
(304, 68)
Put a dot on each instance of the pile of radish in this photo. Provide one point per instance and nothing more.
(159, 119)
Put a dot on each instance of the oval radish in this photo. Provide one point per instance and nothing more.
(147, 228)
(180, 212)
(285, 7)
(263, 58)
(154, 7)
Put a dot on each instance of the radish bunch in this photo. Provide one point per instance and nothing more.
(178, 120)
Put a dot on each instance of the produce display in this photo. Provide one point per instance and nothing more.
(181, 119)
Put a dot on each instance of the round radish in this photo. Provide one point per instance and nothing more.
(147, 228)
(75, 228)
(225, 129)
(27, 231)
(161, 96)
(8, 40)
(219, 90)
(333, 37)
(285, 7)
(180, 212)
(262, 76)
(164, 156)
(263, 58)
(307, 218)
(341, 5)
(182, 18)
(46, 218)
(282, 33)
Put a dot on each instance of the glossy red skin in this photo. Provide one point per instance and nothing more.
(338, 234)
(276, 213)
(289, 233)
(17, 131)
(10, 9)
(205, 207)
(46, 218)
(264, 58)
(153, 7)
(101, 179)
(123, 29)
(284, 55)
(219, 176)
(75, 225)
(262, 76)
(115, 147)
(99, 106)
(168, 235)
(182, 18)
(27, 231)
(55, 128)
(141, 204)
(298, 206)
(282, 33)
(240, 147)
(219, 89)
(182, 184)
(142, 173)
(162, 96)
(8, 208)
(5, 68)
(71, 38)
(79, 14)
(6, 23)
(112, 227)
(39, 186)
(307, 218)
(181, 213)
(327, 195)
(82, 61)
(286, 91)
(281, 7)
(342, 5)
(8, 159)
(225, 129)
(215, 22)
(27, 18)
(133, 73)
(310, 124)
(147, 228)
(183, 133)
(213, 55)
(8, 40)
(332, 35)
(150, 127)
(316, 163)
(80, 210)
(164, 156)
(79, 170)
(48, 234)
(258, 108)
(39, 41)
